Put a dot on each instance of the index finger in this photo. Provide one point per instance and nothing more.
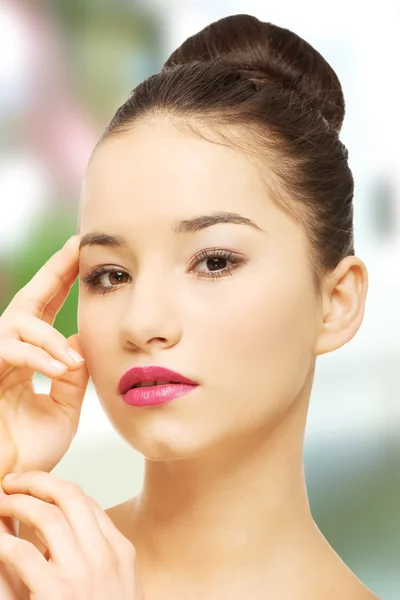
(56, 303)
(51, 277)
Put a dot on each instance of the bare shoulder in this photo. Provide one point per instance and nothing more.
(348, 586)
(351, 588)
(369, 596)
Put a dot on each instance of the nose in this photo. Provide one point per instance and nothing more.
(151, 315)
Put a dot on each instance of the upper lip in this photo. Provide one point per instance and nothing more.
(150, 373)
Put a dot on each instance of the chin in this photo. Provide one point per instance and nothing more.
(158, 450)
(161, 440)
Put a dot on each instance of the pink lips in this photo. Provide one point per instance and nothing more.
(149, 395)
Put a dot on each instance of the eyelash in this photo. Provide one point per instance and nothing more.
(91, 279)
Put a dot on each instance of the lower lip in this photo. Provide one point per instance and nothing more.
(156, 394)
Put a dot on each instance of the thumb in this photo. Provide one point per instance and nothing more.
(69, 391)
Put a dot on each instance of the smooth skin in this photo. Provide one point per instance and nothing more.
(79, 553)
(37, 429)
(224, 509)
(86, 556)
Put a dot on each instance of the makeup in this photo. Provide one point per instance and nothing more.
(147, 386)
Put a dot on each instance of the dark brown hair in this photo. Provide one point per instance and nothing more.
(281, 102)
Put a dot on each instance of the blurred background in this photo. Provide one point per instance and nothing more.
(65, 67)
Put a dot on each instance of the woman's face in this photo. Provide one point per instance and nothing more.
(244, 328)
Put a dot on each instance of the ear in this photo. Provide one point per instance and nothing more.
(343, 305)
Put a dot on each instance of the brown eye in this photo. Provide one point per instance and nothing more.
(215, 261)
(96, 281)
(116, 277)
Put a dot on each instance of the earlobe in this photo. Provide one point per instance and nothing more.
(343, 306)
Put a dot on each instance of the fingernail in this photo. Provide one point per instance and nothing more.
(75, 356)
(10, 476)
(57, 365)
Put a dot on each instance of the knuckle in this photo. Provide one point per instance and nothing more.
(16, 547)
(21, 502)
(45, 479)
(23, 550)
(102, 558)
(7, 542)
(36, 331)
(128, 549)
(51, 514)
(93, 503)
(74, 490)
(54, 337)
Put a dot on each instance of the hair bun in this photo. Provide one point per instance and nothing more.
(268, 53)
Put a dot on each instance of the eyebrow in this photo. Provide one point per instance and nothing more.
(185, 226)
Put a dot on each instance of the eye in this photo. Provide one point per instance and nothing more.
(93, 279)
(215, 261)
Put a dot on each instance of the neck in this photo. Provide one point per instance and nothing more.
(244, 504)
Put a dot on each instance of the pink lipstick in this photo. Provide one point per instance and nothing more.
(146, 386)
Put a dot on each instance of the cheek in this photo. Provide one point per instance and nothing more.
(97, 337)
(258, 317)
(260, 344)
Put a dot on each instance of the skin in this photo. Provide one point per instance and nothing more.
(224, 509)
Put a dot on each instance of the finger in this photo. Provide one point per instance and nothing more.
(69, 390)
(32, 568)
(54, 306)
(120, 544)
(48, 520)
(70, 500)
(20, 354)
(122, 550)
(35, 331)
(46, 283)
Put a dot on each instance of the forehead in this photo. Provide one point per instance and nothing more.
(155, 168)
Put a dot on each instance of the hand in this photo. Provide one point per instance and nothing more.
(36, 430)
(86, 557)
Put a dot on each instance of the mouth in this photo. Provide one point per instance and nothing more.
(153, 383)
(151, 376)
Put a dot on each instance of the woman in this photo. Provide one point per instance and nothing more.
(215, 239)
